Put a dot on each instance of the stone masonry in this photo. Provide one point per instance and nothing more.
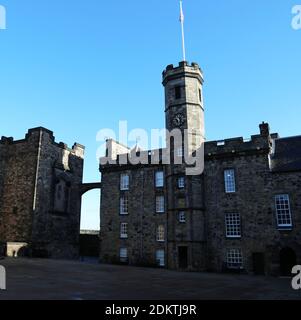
(40, 197)
(242, 214)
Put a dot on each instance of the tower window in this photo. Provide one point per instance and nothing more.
(283, 211)
(178, 92)
(229, 181)
(200, 95)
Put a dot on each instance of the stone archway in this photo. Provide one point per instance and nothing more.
(89, 244)
(288, 259)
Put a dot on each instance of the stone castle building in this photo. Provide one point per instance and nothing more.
(40, 196)
(242, 213)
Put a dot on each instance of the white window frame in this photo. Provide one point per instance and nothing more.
(182, 216)
(181, 182)
(160, 233)
(123, 230)
(124, 205)
(233, 225)
(159, 179)
(124, 181)
(160, 204)
(123, 254)
(283, 211)
(234, 258)
(229, 177)
(160, 257)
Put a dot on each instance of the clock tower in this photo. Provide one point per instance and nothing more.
(184, 110)
(184, 107)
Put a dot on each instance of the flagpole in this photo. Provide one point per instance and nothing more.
(182, 28)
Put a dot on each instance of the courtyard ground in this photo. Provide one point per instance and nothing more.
(74, 280)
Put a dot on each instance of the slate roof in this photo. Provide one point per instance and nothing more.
(287, 154)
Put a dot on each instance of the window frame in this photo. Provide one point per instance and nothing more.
(181, 186)
(232, 183)
(160, 233)
(161, 210)
(178, 92)
(123, 230)
(124, 186)
(161, 179)
(125, 198)
(232, 255)
(283, 226)
(236, 228)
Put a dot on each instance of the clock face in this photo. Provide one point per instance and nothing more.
(178, 120)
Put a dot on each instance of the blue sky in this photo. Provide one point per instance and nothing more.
(76, 67)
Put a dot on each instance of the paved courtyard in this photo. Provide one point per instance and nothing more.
(72, 280)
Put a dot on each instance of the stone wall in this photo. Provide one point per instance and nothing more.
(32, 169)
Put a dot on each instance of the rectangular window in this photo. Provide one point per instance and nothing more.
(160, 233)
(123, 230)
(181, 182)
(123, 254)
(229, 181)
(283, 211)
(233, 225)
(182, 217)
(178, 92)
(159, 179)
(124, 205)
(160, 258)
(124, 182)
(234, 259)
(200, 95)
(160, 206)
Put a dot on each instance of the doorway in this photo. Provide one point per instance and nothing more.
(288, 259)
(183, 257)
(258, 263)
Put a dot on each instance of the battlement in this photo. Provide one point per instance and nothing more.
(77, 149)
(190, 70)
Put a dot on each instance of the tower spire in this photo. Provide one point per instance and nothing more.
(182, 29)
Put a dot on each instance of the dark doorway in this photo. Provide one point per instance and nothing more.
(288, 259)
(183, 257)
(258, 263)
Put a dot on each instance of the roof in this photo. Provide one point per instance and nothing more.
(287, 154)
